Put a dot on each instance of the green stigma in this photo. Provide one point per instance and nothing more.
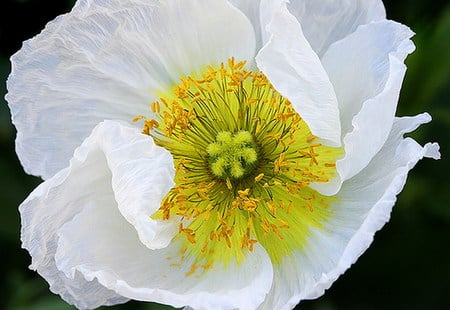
(232, 156)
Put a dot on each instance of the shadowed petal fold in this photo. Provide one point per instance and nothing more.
(297, 73)
(126, 266)
(91, 236)
(325, 22)
(367, 71)
(364, 205)
(87, 182)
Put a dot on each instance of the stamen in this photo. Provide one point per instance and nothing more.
(244, 160)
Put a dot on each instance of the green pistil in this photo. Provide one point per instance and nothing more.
(232, 156)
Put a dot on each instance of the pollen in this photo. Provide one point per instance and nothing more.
(244, 162)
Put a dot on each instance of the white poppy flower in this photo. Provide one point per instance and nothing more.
(271, 153)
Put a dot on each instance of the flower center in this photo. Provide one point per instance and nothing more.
(232, 156)
(244, 160)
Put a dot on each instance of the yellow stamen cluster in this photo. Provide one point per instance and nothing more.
(244, 161)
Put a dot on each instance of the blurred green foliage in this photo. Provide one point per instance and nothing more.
(408, 265)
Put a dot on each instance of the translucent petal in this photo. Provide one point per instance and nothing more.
(90, 233)
(99, 244)
(88, 182)
(260, 14)
(325, 23)
(367, 71)
(107, 60)
(251, 9)
(296, 72)
(141, 176)
(363, 207)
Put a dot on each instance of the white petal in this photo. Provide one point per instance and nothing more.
(99, 244)
(260, 13)
(367, 71)
(142, 174)
(251, 9)
(325, 22)
(88, 182)
(363, 207)
(359, 66)
(108, 60)
(91, 224)
(296, 72)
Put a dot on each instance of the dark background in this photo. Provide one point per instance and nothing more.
(408, 265)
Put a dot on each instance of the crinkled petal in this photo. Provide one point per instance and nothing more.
(363, 207)
(297, 73)
(108, 60)
(141, 176)
(325, 23)
(91, 236)
(100, 245)
(367, 71)
(101, 163)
